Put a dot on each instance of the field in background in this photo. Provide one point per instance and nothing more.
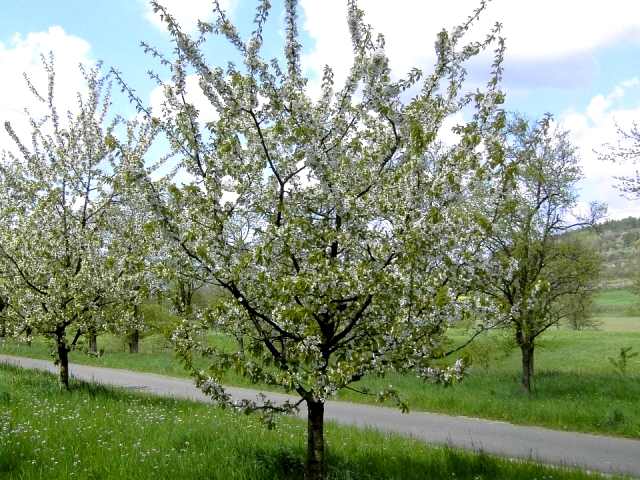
(576, 387)
(95, 432)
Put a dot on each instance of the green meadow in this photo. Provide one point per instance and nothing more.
(94, 432)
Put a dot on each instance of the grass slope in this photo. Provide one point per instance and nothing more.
(99, 433)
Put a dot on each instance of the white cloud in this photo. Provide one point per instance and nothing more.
(542, 30)
(446, 134)
(22, 54)
(186, 12)
(591, 130)
(549, 42)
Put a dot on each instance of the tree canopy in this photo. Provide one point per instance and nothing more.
(539, 274)
(66, 267)
(345, 235)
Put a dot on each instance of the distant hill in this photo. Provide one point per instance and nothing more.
(618, 241)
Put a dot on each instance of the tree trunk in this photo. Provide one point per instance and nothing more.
(527, 366)
(93, 342)
(134, 341)
(63, 362)
(3, 327)
(314, 468)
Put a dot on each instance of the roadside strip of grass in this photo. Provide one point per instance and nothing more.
(96, 432)
(577, 388)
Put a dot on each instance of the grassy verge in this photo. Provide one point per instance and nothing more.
(576, 387)
(94, 432)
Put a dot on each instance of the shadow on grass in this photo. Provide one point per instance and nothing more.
(46, 384)
(553, 384)
(11, 459)
(436, 463)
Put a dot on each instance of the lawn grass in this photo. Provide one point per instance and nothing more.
(576, 386)
(94, 432)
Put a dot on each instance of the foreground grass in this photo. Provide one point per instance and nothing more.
(95, 432)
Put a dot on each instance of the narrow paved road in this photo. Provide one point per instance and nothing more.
(592, 452)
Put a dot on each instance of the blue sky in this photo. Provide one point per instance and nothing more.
(573, 58)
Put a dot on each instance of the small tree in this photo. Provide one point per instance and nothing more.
(538, 272)
(351, 231)
(134, 236)
(181, 295)
(579, 309)
(67, 271)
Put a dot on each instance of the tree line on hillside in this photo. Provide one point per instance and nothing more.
(341, 234)
(618, 243)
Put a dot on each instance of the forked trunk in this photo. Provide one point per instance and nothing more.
(63, 362)
(527, 366)
(134, 341)
(315, 468)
